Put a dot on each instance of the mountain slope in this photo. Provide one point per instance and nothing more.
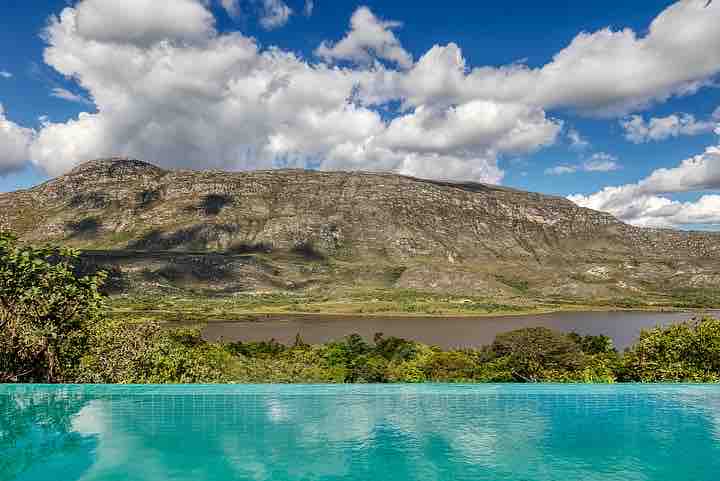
(292, 228)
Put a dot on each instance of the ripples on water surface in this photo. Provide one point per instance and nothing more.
(426, 432)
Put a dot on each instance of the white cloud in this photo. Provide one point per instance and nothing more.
(461, 142)
(170, 89)
(646, 202)
(616, 71)
(471, 126)
(561, 170)
(5, 74)
(309, 8)
(701, 172)
(143, 22)
(638, 131)
(14, 143)
(598, 162)
(65, 94)
(605, 73)
(659, 211)
(368, 38)
(577, 142)
(222, 102)
(232, 7)
(274, 14)
(601, 162)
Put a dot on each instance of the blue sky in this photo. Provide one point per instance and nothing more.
(525, 140)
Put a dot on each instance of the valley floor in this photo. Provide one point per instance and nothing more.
(188, 308)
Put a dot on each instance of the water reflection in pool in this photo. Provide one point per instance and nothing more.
(360, 432)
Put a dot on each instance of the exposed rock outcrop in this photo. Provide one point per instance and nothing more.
(459, 231)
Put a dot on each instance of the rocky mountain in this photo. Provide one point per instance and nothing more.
(292, 229)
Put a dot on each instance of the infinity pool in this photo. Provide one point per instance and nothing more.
(400, 432)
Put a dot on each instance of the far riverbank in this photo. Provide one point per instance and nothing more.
(622, 326)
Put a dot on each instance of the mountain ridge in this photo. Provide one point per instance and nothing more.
(438, 235)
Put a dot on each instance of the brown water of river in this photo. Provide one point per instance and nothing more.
(447, 332)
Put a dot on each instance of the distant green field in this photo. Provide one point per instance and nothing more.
(202, 308)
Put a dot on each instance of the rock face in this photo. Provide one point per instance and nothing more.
(403, 231)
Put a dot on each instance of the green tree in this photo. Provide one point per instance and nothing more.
(46, 310)
(593, 344)
(534, 354)
(687, 351)
(121, 353)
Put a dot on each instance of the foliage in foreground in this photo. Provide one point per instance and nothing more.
(46, 311)
(688, 351)
(149, 354)
(118, 353)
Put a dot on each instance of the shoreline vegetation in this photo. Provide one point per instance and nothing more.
(189, 309)
(56, 327)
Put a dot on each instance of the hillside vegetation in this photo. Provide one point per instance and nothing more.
(312, 234)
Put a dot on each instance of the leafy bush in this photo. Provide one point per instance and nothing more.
(687, 351)
(533, 354)
(269, 348)
(451, 366)
(594, 344)
(147, 354)
(46, 309)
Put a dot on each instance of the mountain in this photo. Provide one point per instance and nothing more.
(295, 229)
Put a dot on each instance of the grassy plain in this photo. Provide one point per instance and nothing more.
(189, 308)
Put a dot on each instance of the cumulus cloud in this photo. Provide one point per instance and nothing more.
(232, 7)
(604, 73)
(638, 130)
(561, 170)
(471, 126)
(65, 94)
(5, 74)
(647, 203)
(368, 38)
(610, 72)
(660, 211)
(577, 141)
(460, 142)
(598, 162)
(169, 88)
(143, 22)
(601, 162)
(223, 102)
(309, 8)
(14, 144)
(274, 14)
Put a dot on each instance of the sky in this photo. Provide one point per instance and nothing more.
(613, 104)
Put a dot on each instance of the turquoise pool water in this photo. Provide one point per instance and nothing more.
(426, 432)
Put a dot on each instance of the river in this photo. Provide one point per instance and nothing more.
(447, 332)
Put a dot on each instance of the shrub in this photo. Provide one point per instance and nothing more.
(593, 344)
(687, 351)
(537, 353)
(455, 366)
(266, 349)
(369, 368)
(46, 310)
(147, 354)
